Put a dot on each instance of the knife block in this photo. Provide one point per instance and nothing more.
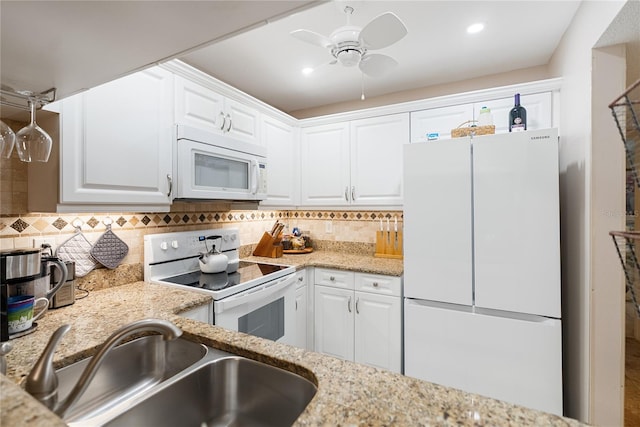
(269, 246)
(389, 244)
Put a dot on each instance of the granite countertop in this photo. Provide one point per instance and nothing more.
(348, 393)
(340, 260)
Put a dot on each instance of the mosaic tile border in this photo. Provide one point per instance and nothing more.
(44, 224)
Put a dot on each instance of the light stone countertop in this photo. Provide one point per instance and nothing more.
(348, 393)
(339, 260)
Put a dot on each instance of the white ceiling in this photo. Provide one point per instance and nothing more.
(266, 62)
(76, 45)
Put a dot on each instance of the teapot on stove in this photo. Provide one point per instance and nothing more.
(212, 261)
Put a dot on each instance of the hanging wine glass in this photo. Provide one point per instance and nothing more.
(33, 143)
(7, 140)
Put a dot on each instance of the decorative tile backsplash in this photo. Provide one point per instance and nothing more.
(18, 231)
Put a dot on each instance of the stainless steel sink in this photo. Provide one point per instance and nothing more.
(128, 370)
(231, 391)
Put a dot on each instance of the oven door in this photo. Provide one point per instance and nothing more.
(211, 172)
(266, 311)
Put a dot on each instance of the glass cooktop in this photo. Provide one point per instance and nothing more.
(248, 273)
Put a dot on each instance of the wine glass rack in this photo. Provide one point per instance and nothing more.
(625, 242)
(626, 113)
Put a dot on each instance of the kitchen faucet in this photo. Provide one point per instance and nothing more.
(42, 381)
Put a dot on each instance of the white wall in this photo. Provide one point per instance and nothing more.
(607, 213)
(573, 61)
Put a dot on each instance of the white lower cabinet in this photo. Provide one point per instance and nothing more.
(358, 317)
(302, 312)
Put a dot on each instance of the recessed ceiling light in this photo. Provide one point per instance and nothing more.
(307, 70)
(475, 28)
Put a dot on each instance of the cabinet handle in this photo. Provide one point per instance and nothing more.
(170, 181)
(357, 309)
(375, 284)
(224, 120)
(353, 194)
(333, 279)
(230, 123)
(296, 305)
(346, 193)
(300, 279)
(349, 304)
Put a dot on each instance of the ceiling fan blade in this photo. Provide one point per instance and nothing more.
(384, 30)
(312, 37)
(375, 64)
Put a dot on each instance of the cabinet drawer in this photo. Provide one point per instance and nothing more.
(376, 283)
(301, 278)
(334, 278)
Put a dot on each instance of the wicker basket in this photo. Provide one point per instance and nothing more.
(475, 130)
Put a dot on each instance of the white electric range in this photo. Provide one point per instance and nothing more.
(250, 297)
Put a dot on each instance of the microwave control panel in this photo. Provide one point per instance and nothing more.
(262, 178)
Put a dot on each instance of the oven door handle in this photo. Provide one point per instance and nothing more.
(254, 294)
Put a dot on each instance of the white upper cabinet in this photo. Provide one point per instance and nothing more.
(199, 106)
(538, 106)
(442, 120)
(438, 121)
(283, 169)
(324, 163)
(116, 144)
(376, 159)
(356, 163)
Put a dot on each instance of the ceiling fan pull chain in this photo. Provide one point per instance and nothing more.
(362, 85)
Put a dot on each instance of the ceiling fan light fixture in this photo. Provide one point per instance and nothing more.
(307, 70)
(349, 57)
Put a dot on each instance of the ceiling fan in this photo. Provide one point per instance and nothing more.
(350, 45)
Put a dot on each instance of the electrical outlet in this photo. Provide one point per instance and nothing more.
(328, 227)
(38, 241)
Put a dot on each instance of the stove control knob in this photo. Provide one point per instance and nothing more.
(174, 244)
(164, 246)
(233, 237)
(225, 238)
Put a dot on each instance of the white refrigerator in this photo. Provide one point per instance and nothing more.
(482, 266)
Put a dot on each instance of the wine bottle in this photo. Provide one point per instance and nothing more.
(517, 117)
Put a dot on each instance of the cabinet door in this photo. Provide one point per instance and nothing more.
(324, 165)
(283, 172)
(116, 141)
(538, 106)
(378, 331)
(439, 120)
(376, 159)
(198, 106)
(334, 311)
(242, 122)
(301, 318)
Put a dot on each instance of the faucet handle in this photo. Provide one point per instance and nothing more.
(42, 381)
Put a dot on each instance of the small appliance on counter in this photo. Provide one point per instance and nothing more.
(66, 294)
(26, 272)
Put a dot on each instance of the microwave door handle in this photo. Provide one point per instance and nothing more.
(260, 293)
(255, 176)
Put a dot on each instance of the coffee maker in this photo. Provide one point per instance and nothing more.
(26, 272)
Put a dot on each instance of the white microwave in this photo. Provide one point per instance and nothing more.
(215, 167)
